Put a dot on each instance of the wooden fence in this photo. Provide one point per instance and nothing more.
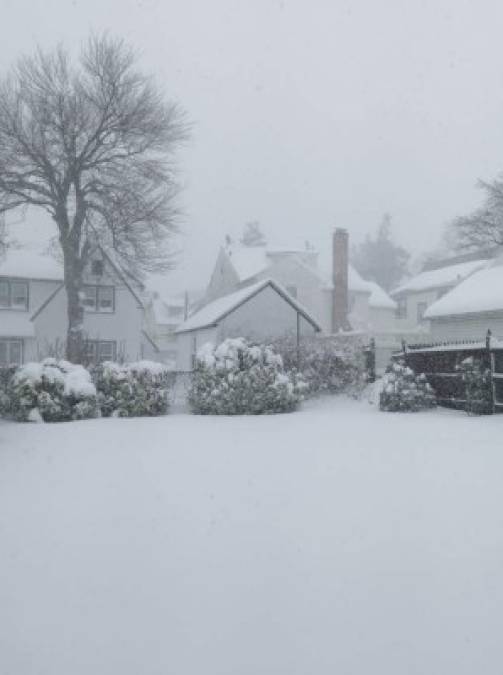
(440, 361)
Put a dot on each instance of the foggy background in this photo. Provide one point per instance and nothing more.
(306, 115)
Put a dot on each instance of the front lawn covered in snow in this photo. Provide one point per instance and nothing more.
(338, 539)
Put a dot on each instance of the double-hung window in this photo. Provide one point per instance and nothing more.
(13, 294)
(99, 298)
(11, 352)
(98, 351)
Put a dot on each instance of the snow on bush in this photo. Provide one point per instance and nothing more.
(333, 366)
(404, 391)
(237, 378)
(478, 386)
(50, 391)
(132, 389)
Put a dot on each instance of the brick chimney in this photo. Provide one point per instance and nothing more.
(340, 253)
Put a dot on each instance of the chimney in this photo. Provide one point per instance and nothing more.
(340, 252)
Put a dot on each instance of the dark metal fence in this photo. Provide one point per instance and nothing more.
(440, 363)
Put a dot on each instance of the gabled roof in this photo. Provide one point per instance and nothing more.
(440, 278)
(212, 313)
(379, 298)
(481, 292)
(247, 260)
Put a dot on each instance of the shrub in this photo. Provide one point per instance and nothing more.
(52, 391)
(328, 366)
(404, 391)
(6, 373)
(132, 389)
(478, 386)
(237, 378)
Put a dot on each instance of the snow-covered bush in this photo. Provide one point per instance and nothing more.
(404, 391)
(50, 391)
(478, 386)
(328, 366)
(6, 373)
(237, 378)
(132, 389)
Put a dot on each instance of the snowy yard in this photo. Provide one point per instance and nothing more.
(334, 540)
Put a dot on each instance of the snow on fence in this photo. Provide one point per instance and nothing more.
(440, 363)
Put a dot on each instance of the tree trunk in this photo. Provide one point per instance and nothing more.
(73, 286)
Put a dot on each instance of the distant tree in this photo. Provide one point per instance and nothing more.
(483, 228)
(252, 235)
(92, 142)
(379, 259)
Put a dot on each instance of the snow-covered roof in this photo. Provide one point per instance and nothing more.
(481, 292)
(161, 309)
(440, 278)
(248, 260)
(30, 264)
(379, 298)
(16, 324)
(215, 311)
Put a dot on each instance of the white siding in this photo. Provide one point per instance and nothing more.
(188, 344)
(265, 316)
(467, 327)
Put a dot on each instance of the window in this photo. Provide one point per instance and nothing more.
(99, 298)
(175, 311)
(11, 352)
(97, 268)
(401, 309)
(292, 290)
(13, 294)
(97, 351)
(421, 309)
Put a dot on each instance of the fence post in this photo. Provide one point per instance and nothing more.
(490, 355)
(372, 360)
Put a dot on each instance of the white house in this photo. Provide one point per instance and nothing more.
(261, 311)
(369, 308)
(469, 310)
(415, 295)
(33, 310)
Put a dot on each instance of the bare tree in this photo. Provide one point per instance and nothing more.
(92, 142)
(482, 229)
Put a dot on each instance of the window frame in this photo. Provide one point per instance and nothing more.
(10, 282)
(95, 309)
(93, 356)
(9, 342)
(401, 308)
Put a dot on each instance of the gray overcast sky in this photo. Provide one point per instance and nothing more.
(308, 113)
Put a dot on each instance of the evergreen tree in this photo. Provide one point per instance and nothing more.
(379, 259)
(252, 235)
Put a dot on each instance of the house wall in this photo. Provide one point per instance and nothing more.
(188, 344)
(288, 272)
(413, 299)
(123, 326)
(382, 319)
(265, 316)
(467, 327)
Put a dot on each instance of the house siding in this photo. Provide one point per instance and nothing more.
(467, 327)
(264, 317)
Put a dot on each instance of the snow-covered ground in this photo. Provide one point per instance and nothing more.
(334, 540)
